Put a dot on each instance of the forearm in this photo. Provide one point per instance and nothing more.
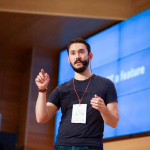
(110, 118)
(41, 108)
(109, 113)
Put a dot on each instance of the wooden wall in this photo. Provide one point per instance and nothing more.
(14, 87)
(40, 136)
(18, 95)
(23, 102)
(139, 6)
(10, 88)
(117, 9)
(140, 143)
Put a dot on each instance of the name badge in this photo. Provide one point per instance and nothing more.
(79, 113)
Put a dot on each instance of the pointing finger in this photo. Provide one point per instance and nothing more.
(43, 72)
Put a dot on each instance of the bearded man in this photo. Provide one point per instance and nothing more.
(86, 102)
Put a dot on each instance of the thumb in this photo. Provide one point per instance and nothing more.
(95, 96)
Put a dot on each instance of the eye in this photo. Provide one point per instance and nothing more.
(81, 52)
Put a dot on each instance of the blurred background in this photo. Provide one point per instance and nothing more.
(32, 35)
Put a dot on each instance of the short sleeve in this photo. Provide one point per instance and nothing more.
(111, 94)
(54, 97)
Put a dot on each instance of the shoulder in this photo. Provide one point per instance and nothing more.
(103, 82)
(101, 79)
(60, 89)
(65, 85)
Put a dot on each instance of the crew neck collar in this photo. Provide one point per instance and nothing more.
(85, 79)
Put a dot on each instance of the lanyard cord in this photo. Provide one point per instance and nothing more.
(80, 100)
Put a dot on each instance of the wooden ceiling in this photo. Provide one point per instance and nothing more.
(52, 24)
(19, 32)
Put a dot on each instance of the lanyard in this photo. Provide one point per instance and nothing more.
(80, 100)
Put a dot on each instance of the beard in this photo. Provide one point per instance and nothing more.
(85, 64)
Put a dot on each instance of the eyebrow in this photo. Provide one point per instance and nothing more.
(77, 50)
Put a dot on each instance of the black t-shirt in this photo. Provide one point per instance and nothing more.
(64, 96)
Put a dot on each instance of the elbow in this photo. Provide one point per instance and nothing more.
(114, 125)
(41, 120)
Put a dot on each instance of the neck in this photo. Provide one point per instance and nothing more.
(84, 75)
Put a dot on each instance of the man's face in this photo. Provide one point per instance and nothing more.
(78, 57)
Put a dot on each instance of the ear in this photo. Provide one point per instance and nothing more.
(90, 56)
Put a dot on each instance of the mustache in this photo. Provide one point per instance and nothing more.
(78, 61)
(84, 63)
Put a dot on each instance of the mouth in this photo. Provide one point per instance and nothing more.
(78, 62)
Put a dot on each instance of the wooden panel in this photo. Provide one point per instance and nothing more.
(14, 87)
(23, 103)
(48, 32)
(39, 142)
(141, 143)
(139, 6)
(10, 78)
(114, 9)
(40, 136)
(9, 111)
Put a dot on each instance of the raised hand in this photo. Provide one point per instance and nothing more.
(42, 80)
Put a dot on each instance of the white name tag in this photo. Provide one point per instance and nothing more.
(79, 113)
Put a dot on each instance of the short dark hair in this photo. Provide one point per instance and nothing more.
(79, 40)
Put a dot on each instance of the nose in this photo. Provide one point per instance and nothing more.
(77, 56)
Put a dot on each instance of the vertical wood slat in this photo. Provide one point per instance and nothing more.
(40, 136)
(23, 103)
(10, 78)
(14, 87)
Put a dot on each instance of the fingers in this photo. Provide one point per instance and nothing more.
(97, 102)
(42, 72)
(95, 96)
(97, 99)
(45, 76)
(38, 80)
(42, 77)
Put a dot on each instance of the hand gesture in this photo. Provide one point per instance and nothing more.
(42, 80)
(98, 103)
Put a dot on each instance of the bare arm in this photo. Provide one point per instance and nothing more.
(109, 113)
(44, 111)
